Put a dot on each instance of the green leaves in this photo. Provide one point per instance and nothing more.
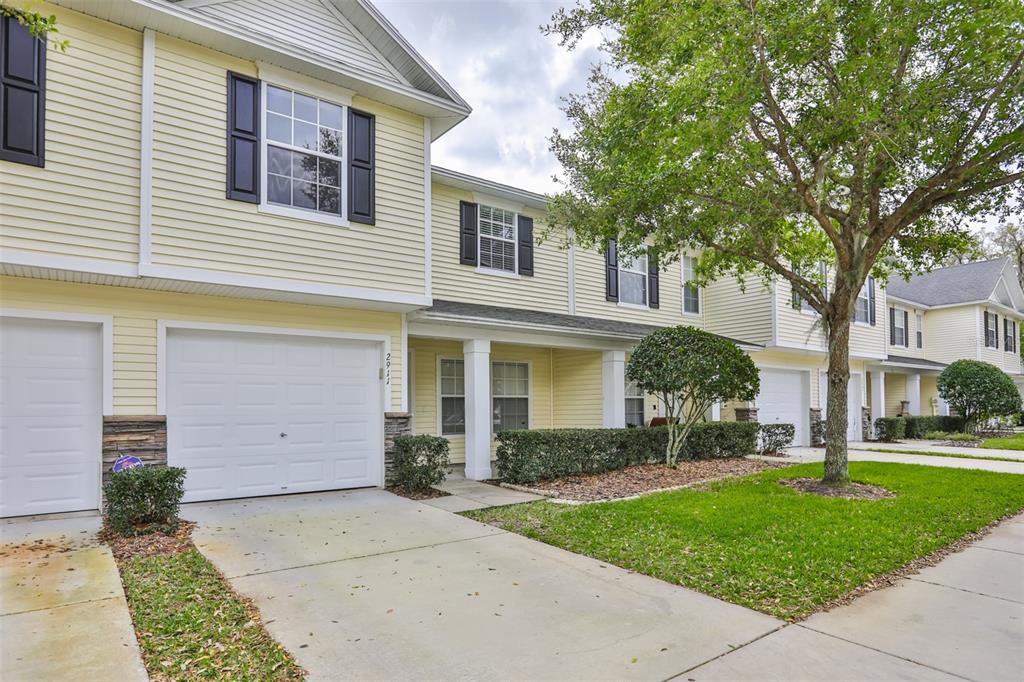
(978, 391)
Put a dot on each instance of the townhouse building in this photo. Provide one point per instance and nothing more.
(223, 245)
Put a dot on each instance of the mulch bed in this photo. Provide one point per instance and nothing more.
(428, 494)
(644, 478)
(149, 544)
(851, 491)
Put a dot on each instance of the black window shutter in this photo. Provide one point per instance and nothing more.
(525, 246)
(243, 138)
(362, 169)
(652, 279)
(467, 232)
(906, 329)
(22, 94)
(611, 271)
(995, 332)
(892, 326)
(871, 300)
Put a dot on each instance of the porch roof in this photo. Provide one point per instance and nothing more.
(904, 361)
(520, 318)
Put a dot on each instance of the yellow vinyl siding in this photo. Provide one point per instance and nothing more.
(744, 315)
(929, 394)
(195, 226)
(803, 329)
(1008, 362)
(911, 350)
(85, 201)
(136, 312)
(952, 334)
(578, 389)
(547, 290)
(895, 391)
(590, 295)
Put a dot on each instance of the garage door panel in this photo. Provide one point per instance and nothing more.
(269, 385)
(51, 416)
(784, 400)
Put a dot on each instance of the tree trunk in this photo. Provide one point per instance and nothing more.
(836, 420)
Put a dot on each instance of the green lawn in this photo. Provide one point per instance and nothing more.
(1014, 442)
(192, 626)
(931, 453)
(763, 545)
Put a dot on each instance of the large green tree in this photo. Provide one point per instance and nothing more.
(776, 135)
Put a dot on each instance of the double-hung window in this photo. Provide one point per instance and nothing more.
(633, 279)
(862, 312)
(991, 330)
(453, 397)
(920, 330)
(899, 327)
(1010, 335)
(305, 152)
(510, 388)
(497, 229)
(634, 405)
(691, 293)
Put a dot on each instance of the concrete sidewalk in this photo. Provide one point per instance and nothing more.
(932, 446)
(803, 454)
(63, 614)
(960, 619)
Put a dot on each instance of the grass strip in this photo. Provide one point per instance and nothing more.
(1014, 442)
(192, 626)
(955, 455)
(754, 542)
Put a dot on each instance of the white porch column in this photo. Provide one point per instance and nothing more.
(877, 397)
(613, 371)
(914, 394)
(477, 359)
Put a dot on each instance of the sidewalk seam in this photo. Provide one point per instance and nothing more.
(61, 606)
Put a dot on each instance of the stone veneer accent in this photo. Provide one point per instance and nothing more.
(746, 414)
(395, 424)
(817, 428)
(142, 436)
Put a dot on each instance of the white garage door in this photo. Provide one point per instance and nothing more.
(51, 398)
(264, 414)
(853, 402)
(784, 400)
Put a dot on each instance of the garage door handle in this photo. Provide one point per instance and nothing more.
(283, 434)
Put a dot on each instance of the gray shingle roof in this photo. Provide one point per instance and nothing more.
(577, 323)
(916, 362)
(946, 286)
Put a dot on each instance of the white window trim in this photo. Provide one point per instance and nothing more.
(647, 284)
(307, 215)
(487, 270)
(919, 321)
(528, 396)
(898, 315)
(440, 416)
(682, 288)
(985, 317)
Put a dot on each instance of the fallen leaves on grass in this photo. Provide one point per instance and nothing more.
(644, 478)
(150, 544)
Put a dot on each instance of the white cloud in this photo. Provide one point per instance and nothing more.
(495, 55)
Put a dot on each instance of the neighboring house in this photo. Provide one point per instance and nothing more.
(223, 245)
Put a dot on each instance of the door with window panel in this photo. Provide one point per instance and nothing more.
(510, 388)
(305, 154)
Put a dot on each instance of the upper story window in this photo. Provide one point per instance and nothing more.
(1010, 335)
(453, 397)
(862, 312)
(633, 279)
(991, 330)
(510, 388)
(920, 330)
(497, 239)
(634, 405)
(304, 152)
(898, 334)
(691, 293)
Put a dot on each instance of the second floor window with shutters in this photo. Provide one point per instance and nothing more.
(691, 293)
(633, 279)
(497, 238)
(920, 330)
(899, 327)
(1009, 335)
(991, 330)
(862, 313)
(305, 152)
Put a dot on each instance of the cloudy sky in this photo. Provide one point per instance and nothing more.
(494, 54)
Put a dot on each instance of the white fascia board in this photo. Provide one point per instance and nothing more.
(451, 178)
(458, 331)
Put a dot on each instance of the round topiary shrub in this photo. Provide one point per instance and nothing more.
(978, 391)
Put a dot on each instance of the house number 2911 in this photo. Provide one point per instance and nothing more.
(387, 369)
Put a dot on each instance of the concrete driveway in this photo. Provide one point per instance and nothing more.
(368, 585)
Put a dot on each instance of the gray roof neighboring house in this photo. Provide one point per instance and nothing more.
(453, 311)
(966, 283)
(904, 361)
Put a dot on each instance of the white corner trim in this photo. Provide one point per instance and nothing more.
(146, 142)
(161, 349)
(277, 284)
(428, 198)
(775, 312)
(106, 323)
(571, 275)
(94, 266)
(406, 372)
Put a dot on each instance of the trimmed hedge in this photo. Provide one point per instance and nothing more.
(144, 499)
(775, 438)
(419, 462)
(540, 454)
(919, 427)
(890, 429)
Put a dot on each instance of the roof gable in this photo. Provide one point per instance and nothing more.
(968, 283)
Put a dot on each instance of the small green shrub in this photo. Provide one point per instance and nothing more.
(419, 461)
(962, 437)
(775, 438)
(890, 429)
(144, 500)
(936, 435)
(978, 391)
(919, 426)
(541, 454)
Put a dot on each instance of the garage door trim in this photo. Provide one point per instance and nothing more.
(106, 323)
(805, 381)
